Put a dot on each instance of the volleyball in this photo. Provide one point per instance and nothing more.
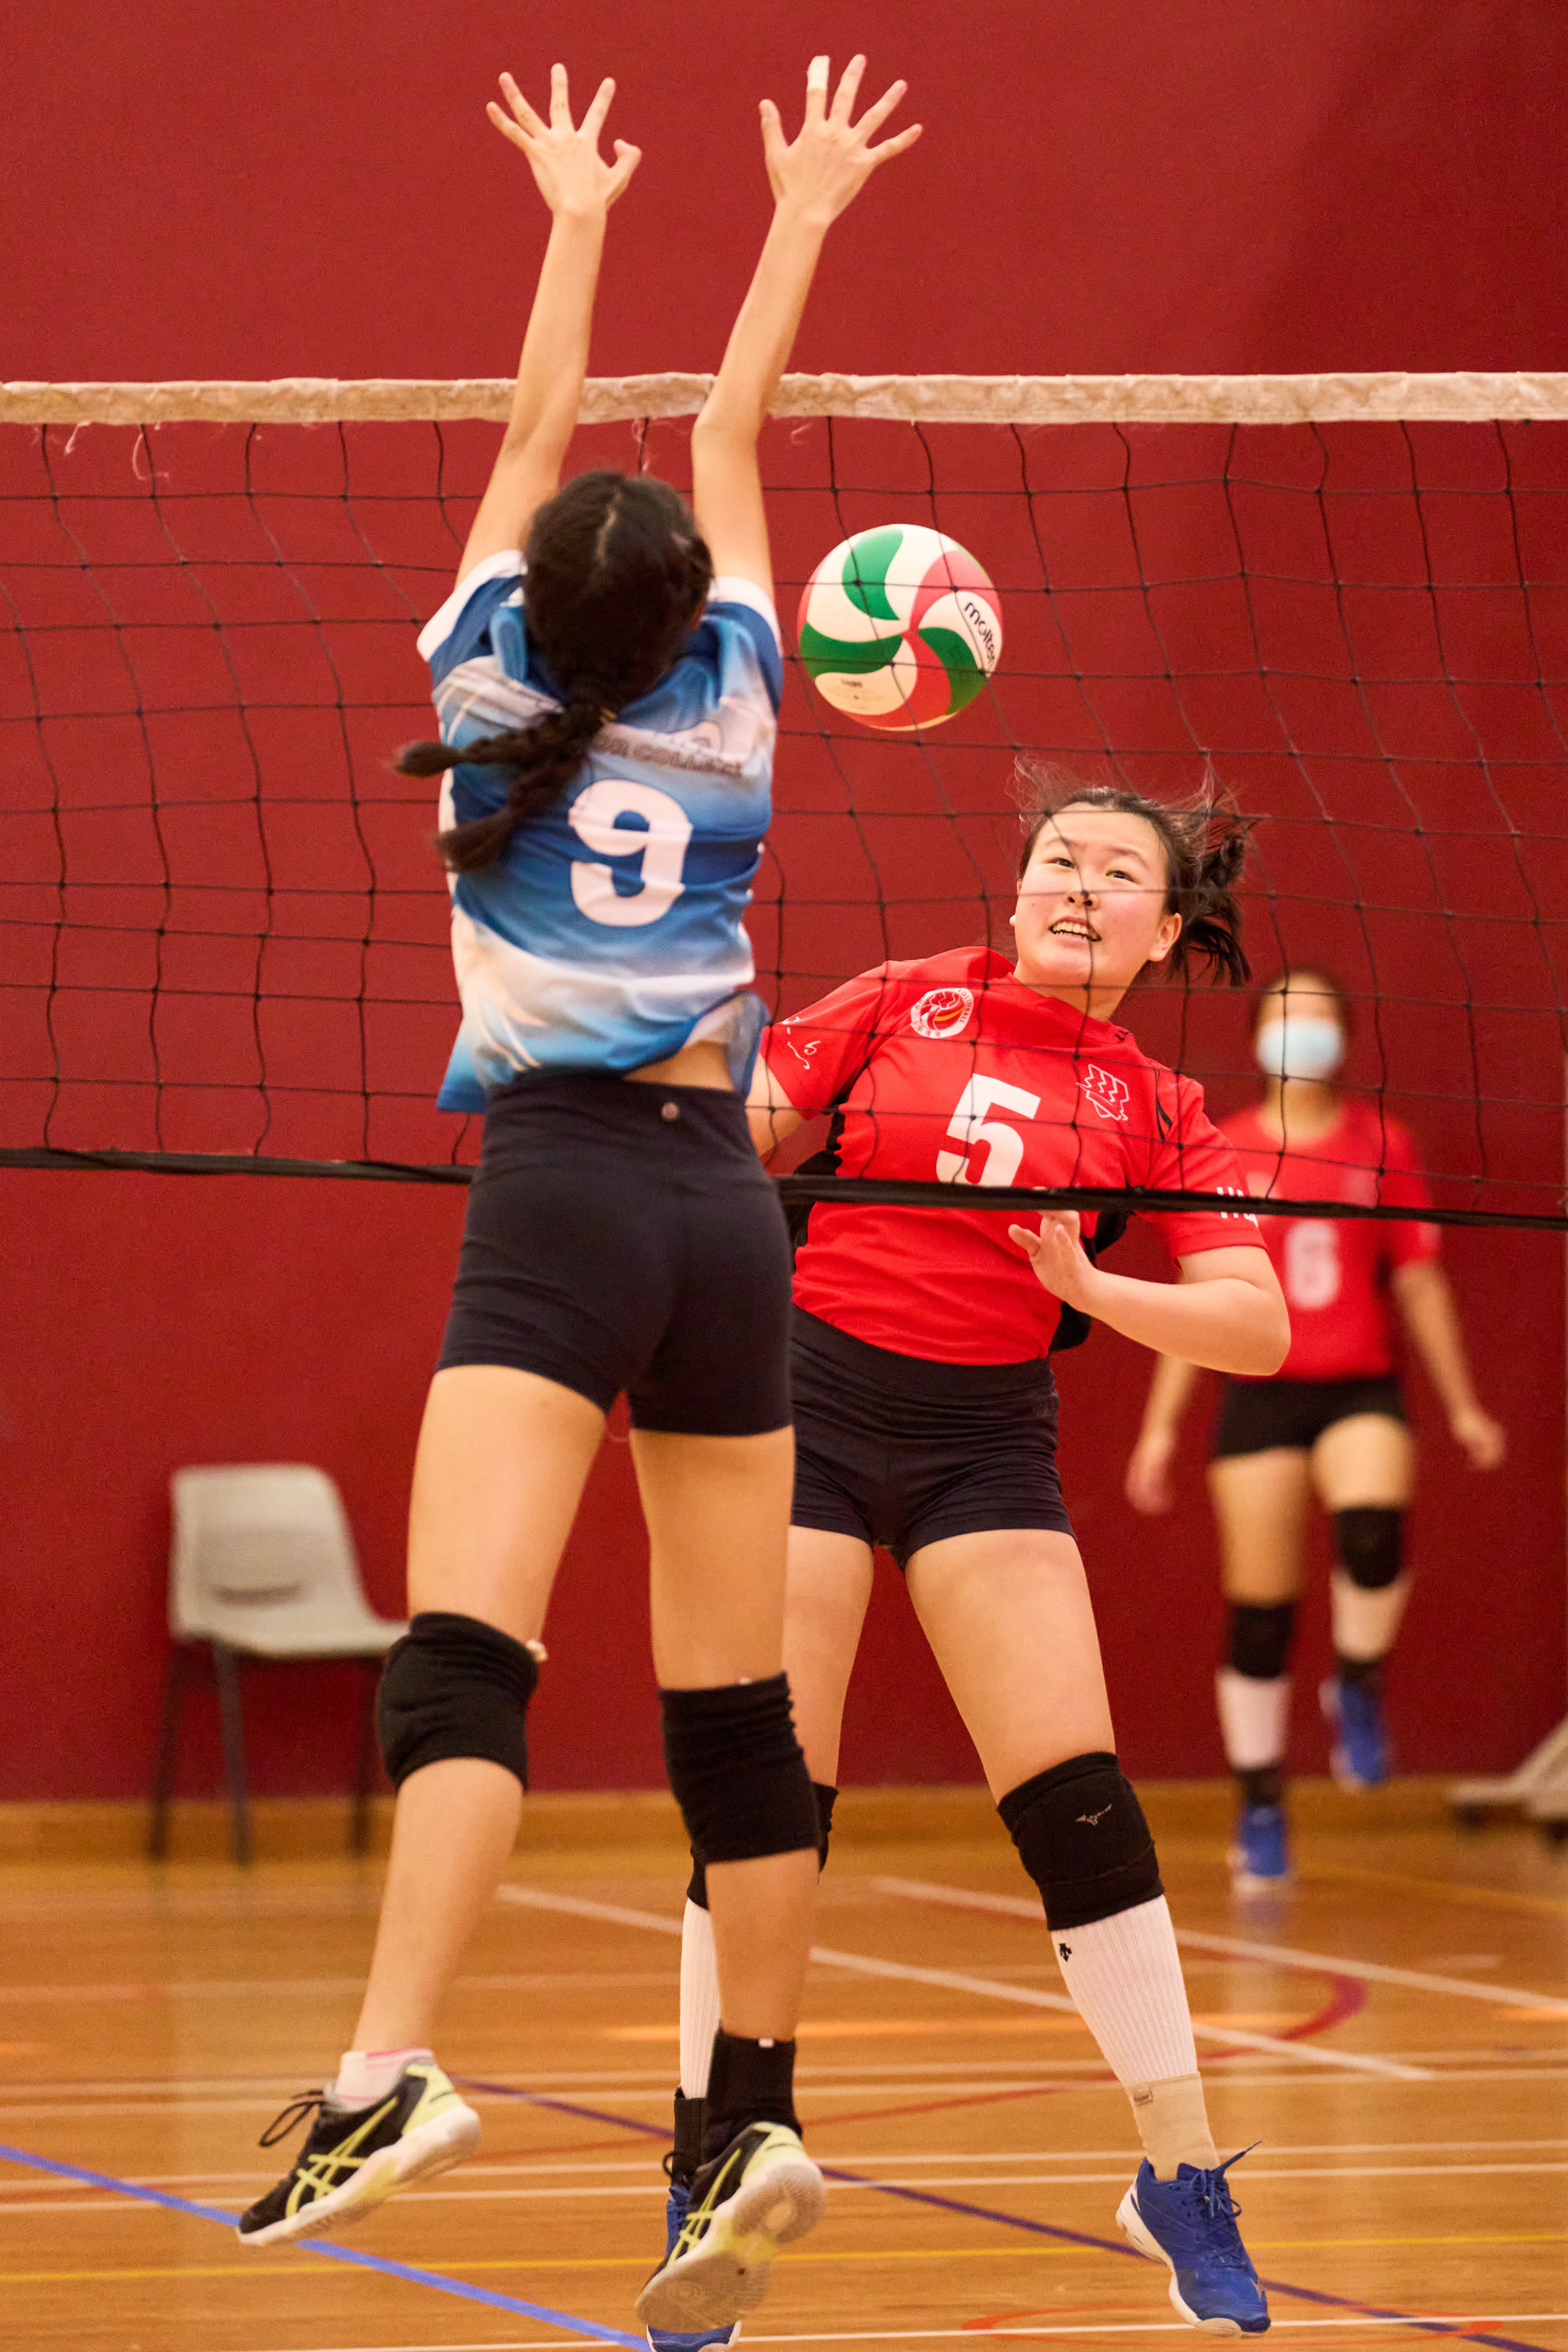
(900, 627)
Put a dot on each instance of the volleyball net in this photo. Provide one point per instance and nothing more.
(222, 931)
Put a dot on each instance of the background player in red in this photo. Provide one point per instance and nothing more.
(1329, 1424)
(925, 1415)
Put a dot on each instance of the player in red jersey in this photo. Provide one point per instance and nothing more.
(1329, 1424)
(925, 1415)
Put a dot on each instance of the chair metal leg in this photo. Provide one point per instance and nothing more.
(168, 1754)
(365, 1766)
(225, 1672)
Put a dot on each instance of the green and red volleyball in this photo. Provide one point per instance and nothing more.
(900, 627)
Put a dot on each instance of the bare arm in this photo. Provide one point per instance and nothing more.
(1426, 1303)
(579, 188)
(813, 181)
(1148, 1485)
(1227, 1312)
(770, 1113)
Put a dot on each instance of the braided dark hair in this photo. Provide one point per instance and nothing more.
(617, 573)
(1204, 840)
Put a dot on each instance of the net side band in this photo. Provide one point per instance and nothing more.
(1395, 395)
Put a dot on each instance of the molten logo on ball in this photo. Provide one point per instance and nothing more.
(900, 627)
(942, 1011)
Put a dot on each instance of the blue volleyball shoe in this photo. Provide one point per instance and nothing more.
(1189, 2224)
(660, 2339)
(1360, 1759)
(1260, 1859)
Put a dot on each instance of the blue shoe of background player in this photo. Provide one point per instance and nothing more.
(1189, 2224)
(1360, 1758)
(681, 2164)
(1259, 1860)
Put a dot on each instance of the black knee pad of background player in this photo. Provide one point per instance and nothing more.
(737, 1773)
(1261, 1638)
(455, 1686)
(1369, 1546)
(1082, 1836)
(827, 1798)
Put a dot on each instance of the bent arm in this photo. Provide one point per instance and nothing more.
(770, 1114)
(1426, 1303)
(1228, 1313)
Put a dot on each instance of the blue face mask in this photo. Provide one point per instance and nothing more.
(1300, 1045)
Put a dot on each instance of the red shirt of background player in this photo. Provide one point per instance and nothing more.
(951, 1069)
(1334, 1272)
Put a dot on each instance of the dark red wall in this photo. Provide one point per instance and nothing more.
(276, 189)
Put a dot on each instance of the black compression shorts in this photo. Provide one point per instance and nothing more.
(1255, 1416)
(899, 1451)
(624, 1237)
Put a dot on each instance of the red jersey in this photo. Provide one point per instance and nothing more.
(1333, 1271)
(950, 1068)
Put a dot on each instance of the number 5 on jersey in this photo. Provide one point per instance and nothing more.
(970, 1126)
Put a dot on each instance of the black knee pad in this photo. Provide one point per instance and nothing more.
(455, 1686)
(827, 1798)
(1082, 1836)
(1369, 1546)
(1261, 1638)
(737, 1773)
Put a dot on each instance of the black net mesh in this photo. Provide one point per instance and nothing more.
(222, 931)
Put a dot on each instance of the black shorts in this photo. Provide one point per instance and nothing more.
(1255, 1416)
(898, 1450)
(624, 1237)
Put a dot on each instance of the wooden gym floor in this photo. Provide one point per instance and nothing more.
(1399, 2047)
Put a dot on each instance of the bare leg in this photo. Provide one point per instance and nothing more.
(718, 1516)
(1261, 1505)
(1010, 1620)
(1367, 1463)
(502, 1463)
(827, 1594)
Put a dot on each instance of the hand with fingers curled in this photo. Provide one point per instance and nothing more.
(1057, 1257)
(827, 164)
(571, 175)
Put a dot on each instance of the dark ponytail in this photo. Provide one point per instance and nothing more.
(617, 575)
(1205, 843)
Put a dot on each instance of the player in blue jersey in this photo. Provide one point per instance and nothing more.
(607, 675)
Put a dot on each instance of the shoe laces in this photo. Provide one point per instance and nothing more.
(1215, 2200)
(308, 2103)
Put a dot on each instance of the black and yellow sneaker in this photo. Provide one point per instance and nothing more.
(356, 2157)
(762, 2192)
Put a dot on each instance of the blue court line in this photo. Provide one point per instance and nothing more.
(332, 2252)
(1021, 2221)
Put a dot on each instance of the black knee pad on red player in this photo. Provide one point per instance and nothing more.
(827, 1798)
(455, 1686)
(1260, 1641)
(1082, 1836)
(1371, 1546)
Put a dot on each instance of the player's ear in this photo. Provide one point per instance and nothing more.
(1166, 938)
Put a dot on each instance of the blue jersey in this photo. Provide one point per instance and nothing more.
(610, 932)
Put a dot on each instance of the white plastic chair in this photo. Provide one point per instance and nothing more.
(262, 1566)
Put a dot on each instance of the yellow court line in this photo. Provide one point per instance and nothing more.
(254, 2269)
(1448, 1890)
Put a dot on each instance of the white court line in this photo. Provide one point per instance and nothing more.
(988, 1987)
(1016, 1906)
(958, 2335)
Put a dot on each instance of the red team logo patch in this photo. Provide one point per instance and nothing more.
(1106, 1091)
(942, 1011)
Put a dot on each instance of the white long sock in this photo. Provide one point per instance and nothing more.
(1125, 1978)
(699, 2001)
(1366, 1621)
(364, 2075)
(1254, 1719)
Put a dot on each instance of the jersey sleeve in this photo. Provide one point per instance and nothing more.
(471, 622)
(748, 641)
(818, 1055)
(1194, 1157)
(1402, 1185)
